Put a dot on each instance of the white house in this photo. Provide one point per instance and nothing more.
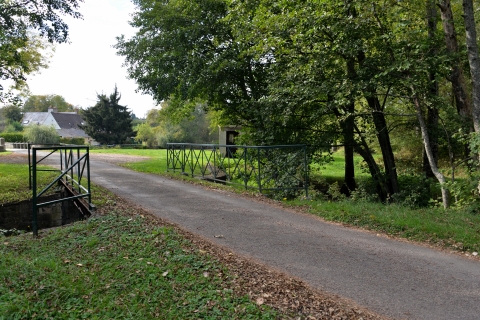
(66, 123)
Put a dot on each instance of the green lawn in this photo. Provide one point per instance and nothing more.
(14, 184)
(117, 265)
(157, 164)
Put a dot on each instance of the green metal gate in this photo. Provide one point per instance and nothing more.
(73, 167)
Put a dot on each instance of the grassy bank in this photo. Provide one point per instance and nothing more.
(14, 185)
(116, 267)
(453, 229)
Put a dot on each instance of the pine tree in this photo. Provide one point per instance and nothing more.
(108, 122)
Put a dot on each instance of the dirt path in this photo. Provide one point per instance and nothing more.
(21, 157)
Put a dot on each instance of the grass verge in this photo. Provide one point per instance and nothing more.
(453, 229)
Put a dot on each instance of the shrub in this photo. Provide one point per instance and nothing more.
(76, 141)
(14, 126)
(415, 191)
(13, 136)
(41, 135)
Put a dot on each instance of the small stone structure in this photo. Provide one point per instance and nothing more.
(2, 145)
(19, 215)
(227, 136)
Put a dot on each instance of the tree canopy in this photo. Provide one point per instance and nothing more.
(161, 127)
(41, 103)
(352, 73)
(24, 25)
(107, 121)
(12, 113)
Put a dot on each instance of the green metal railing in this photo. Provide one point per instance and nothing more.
(265, 168)
(72, 166)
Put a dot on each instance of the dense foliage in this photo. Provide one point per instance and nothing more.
(108, 122)
(161, 127)
(41, 103)
(13, 136)
(12, 113)
(356, 73)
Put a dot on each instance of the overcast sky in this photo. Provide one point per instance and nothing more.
(89, 65)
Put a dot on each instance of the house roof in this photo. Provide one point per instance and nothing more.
(68, 120)
(34, 118)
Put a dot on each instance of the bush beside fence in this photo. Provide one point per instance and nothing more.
(13, 137)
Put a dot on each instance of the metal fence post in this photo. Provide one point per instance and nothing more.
(34, 197)
(168, 156)
(29, 168)
(87, 158)
(305, 168)
(259, 172)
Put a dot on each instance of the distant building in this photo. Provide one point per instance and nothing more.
(227, 136)
(66, 123)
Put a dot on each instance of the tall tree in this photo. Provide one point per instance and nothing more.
(473, 59)
(184, 51)
(108, 122)
(432, 110)
(12, 113)
(332, 49)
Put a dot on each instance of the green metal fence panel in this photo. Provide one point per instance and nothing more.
(73, 165)
(265, 168)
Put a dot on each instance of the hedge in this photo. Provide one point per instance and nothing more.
(13, 137)
(75, 141)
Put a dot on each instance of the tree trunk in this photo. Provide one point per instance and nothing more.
(347, 124)
(377, 175)
(474, 61)
(349, 142)
(432, 128)
(432, 112)
(383, 137)
(464, 105)
(426, 143)
(348, 137)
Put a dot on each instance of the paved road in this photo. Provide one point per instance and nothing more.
(393, 278)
